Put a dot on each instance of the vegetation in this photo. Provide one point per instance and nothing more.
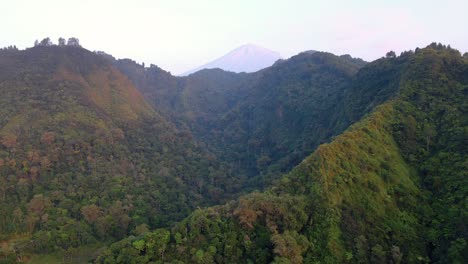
(391, 189)
(101, 152)
(260, 124)
(83, 158)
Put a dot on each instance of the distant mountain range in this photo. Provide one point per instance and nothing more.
(246, 58)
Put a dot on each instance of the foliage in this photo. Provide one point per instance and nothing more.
(84, 158)
(390, 189)
(260, 124)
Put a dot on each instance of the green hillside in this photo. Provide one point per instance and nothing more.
(84, 158)
(193, 102)
(260, 124)
(291, 108)
(391, 189)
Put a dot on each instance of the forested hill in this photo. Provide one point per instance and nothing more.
(84, 158)
(264, 123)
(193, 102)
(391, 189)
(290, 109)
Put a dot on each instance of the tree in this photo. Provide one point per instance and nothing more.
(91, 213)
(141, 229)
(38, 204)
(378, 254)
(429, 133)
(46, 42)
(48, 137)
(61, 41)
(73, 42)
(290, 246)
(36, 43)
(396, 255)
(157, 242)
(139, 244)
(458, 250)
(9, 140)
(390, 54)
(361, 249)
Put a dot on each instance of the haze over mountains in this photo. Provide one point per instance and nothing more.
(246, 58)
(316, 159)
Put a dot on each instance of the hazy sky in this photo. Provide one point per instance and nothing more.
(180, 35)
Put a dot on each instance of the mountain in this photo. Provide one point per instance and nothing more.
(200, 96)
(317, 158)
(246, 58)
(261, 123)
(282, 119)
(85, 159)
(390, 189)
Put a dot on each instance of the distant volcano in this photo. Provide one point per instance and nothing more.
(246, 58)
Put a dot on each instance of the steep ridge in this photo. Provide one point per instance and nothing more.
(84, 158)
(390, 189)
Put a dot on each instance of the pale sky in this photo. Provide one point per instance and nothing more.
(180, 35)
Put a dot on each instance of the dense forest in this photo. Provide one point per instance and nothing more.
(316, 159)
(261, 124)
(390, 189)
(83, 157)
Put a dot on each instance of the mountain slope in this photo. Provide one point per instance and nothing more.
(84, 158)
(261, 123)
(196, 100)
(391, 189)
(246, 58)
(290, 109)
